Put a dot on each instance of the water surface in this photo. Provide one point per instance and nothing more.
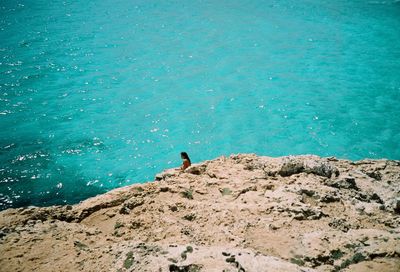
(100, 94)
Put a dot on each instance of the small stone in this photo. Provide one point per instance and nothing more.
(185, 268)
(159, 177)
(110, 214)
(189, 249)
(273, 227)
(135, 224)
(396, 205)
(190, 217)
(172, 260)
(130, 204)
(269, 186)
(360, 207)
(80, 245)
(184, 255)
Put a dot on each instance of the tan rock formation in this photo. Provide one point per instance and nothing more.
(242, 213)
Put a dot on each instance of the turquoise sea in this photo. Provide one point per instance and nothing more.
(96, 95)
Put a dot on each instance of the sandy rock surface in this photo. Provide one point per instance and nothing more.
(242, 213)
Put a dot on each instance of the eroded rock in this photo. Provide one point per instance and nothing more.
(288, 214)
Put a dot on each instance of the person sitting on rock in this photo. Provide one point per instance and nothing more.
(185, 161)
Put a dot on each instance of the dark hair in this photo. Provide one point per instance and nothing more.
(185, 156)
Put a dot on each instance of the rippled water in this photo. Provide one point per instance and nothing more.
(100, 94)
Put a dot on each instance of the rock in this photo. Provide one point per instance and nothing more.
(130, 204)
(159, 177)
(200, 191)
(164, 189)
(186, 231)
(184, 255)
(395, 205)
(172, 260)
(89, 207)
(269, 187)
(282, 214)
(301, 211)
(135, 224)
(391, 222)
(26, 211)
(189, 249)
(374, 174)
(375, 197)
(190, 217)
(111, 214)
(291, 167)
(167, 174)
(330, 197)
(185, 268)
(307, 192)
(80, 245)
(196, 169)
(343, 183)
(340, 224)
(310, 165)
(274, 227)
(356, 258)
(320, 167)
(360, 207)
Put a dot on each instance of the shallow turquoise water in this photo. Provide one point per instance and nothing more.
(100, 94)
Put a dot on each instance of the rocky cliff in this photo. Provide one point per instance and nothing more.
(242, 213)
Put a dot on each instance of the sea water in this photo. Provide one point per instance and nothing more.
(96, 95)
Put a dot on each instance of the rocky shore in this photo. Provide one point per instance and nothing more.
(237, 213)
